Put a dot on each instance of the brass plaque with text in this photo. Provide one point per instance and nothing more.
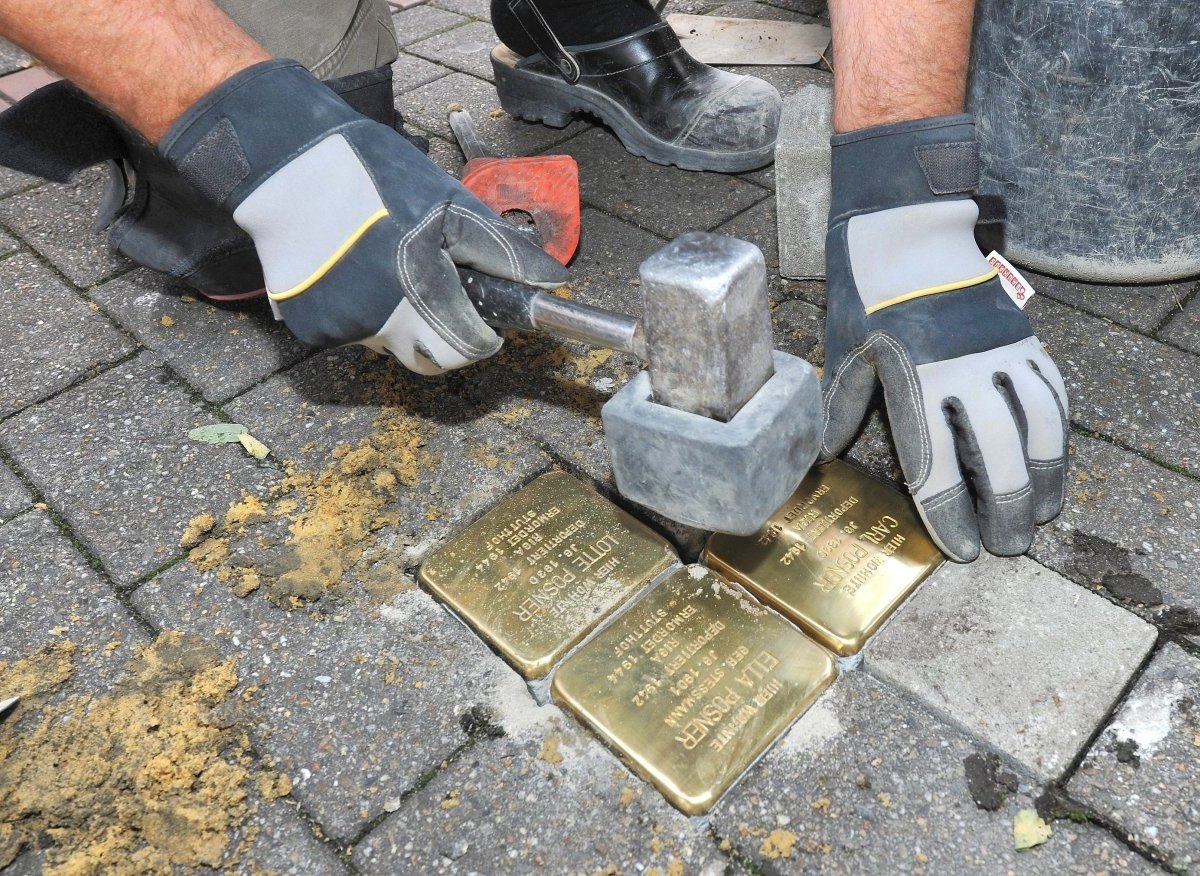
(692, 684)
(840, 555)
(543, 568)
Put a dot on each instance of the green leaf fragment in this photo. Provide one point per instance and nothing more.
(218, 433)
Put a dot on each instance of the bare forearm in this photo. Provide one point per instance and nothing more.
(146, 60)
(897, 60)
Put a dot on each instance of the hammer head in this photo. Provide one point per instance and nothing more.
(707, 324)
(720, 430)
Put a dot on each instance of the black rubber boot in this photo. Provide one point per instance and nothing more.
(663, 104)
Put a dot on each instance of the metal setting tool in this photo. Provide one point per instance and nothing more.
(543, 187)
(720, 429)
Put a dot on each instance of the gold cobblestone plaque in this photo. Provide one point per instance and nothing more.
(543, 568)
(837, 558)
(692, 684)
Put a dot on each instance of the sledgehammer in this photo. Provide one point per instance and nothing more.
(720, 429)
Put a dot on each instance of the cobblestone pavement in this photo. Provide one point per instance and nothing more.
(385, 738)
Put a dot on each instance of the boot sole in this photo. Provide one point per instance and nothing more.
(552, 101)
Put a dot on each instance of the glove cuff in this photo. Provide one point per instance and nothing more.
(249, 126)
(902, 164)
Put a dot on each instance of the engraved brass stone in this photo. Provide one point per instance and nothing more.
(692, 684)
(841, 554)
(543, 568)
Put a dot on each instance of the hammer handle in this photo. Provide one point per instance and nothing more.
(507, 304)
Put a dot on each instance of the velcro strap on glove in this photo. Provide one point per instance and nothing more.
(252, 124)
(917, 162)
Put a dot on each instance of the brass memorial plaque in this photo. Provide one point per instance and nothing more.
(837, 558)
(692, 684)
(539, 571)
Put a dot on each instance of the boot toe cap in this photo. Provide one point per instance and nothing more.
(744, 117)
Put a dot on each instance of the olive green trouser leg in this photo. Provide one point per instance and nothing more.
(333, 38)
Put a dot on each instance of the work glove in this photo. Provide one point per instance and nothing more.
(978, 410)
(359, 234)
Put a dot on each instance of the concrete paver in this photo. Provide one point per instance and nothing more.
(503, 135)
(56, 220)
(1130, 528)
(220, 350)
(1123, 385)
(14, 498)
(1143, 773)
(12, 181)
(866, 782)
(61, 338)
(11, 58)
(36, 558)
(995, 647)
(112, 456)
(1183, 329)
(480, 9)
(632, 188)
(420, 22)
(1141, 308)
(8, 244)
(409, 72)
(467, 48)
(544, 796)
(355, 703)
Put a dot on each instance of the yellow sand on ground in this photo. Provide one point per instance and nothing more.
(151, 777)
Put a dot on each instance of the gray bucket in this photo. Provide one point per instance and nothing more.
(1089, 117)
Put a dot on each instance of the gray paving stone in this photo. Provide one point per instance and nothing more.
(1141, 308)
(1183, 329)
(866, 782)
(8, 244)
(994, 646)
(817, 8)
(356, 706)
(409, 72)
(480, 9)
(55, 337)
(14, 498)
(1138, 391)
(665, 200)
(467, 48)
(56, 220)
(1143, 773)
(503, 135)
(12, 58)
(447, 156)
(113, 457)
(283, 843)
(423, 21)
(12, 181)
(334, 398)
(802, 169)
(546, 797)
(50, 594)
(1130, 529)
(220, 350)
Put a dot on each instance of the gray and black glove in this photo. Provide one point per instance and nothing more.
(978, 410)
(359, 234)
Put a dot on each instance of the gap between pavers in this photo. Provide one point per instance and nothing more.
(1014, 654)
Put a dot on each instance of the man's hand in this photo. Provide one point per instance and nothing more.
(359, 234)
(913, 304)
